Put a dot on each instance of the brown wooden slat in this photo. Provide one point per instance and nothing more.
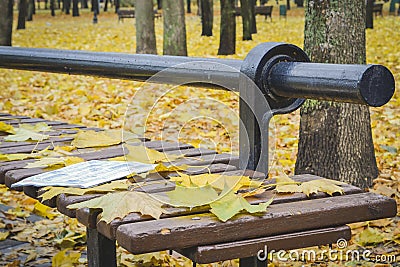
(166, 146)
(6, 117)
(47, 141)
(194, 230)
(33, 121)
(29, 148)
(109, 230)
(192, 152)
(250, 247)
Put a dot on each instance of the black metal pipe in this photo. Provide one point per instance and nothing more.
(362, 84)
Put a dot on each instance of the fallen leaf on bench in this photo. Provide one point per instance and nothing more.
(4, 235)
(119, 205)
(4, 127)
(19, 156)
(94, 139)
(216, 180)
(104, 188)
(52, 162)
(146, 155)
(284, 184)
(29, 132)
(191, 197)
(231, 204)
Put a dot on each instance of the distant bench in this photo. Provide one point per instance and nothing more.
(130, 14)
(377, 9)
(258, 10)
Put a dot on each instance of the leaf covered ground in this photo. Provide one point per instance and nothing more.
(103, 102)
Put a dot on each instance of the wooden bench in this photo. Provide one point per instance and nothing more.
(130, 14)
(377, 9)
(259, 10)
(302, 221)
(125, 14)
(291, 221)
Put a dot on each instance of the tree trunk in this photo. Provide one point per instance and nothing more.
(31, 8)
(174, 28)
(228, 28)
(75, 8)
(369, 21)
(105, 6)
(145, 34)
(335, 139)
(253, 16)
(288, 4)
(188, 7)
(52, 4)
(22, 10)
(6, 21)
(84, 4)
(116, 3)
(245, 11)
(67, 6)
(159, 4)
(207, 17)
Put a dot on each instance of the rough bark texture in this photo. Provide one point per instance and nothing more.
(174, 28)
(335, 139)
(245, 11)
(22, 11)
(6, 21)
(207, 17)
(145, 35)
(228, 28)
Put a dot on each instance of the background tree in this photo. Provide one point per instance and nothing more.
(335, 139)
(207, 17)
(52, 7)
(253, 16)
(6, 22)
(22, 12)
(145, 34)
(369, 20)
(188, 7)
(75, 8)
(245, 11)
(228, 28)
(30, 10)
(174, 28)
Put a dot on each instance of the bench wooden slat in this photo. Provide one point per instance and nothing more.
(109, 230)
(250, 247)
(193, 230)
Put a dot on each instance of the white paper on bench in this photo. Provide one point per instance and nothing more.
(86, 174)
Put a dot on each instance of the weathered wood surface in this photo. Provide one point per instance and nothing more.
(251, 247)
(194, 230)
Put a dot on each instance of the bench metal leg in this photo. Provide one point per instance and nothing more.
(252, 262)
(101, 251)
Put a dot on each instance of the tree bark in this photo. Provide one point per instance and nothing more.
(174, 28)
(75, 8)
(105, 6)
(6, 22)
(22, 11)
(245, 11)
(228, 28)
(84, 4)
(145, 34)
(288, 4)
(335, 139)
(207, 17)
(116, 3)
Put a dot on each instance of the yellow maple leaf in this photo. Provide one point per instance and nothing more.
(94, 139)
(4, 127)
(146, 155)
(53, 191)
(119, 205)
(54, 162)
(44, 211)
(65, 259)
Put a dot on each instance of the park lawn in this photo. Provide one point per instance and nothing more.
(102, 103)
